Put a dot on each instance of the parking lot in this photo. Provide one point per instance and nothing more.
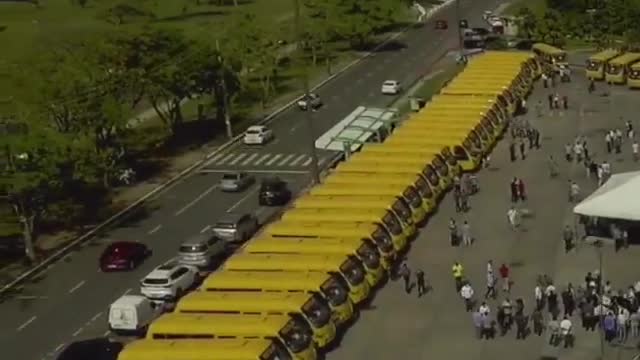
(401, 326)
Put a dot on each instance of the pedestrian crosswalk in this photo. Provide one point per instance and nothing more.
(263, 160)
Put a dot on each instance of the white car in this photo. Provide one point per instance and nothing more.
(168, 281)
(257, 135)
(391, 87)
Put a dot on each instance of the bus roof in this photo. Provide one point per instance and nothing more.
(605, 55)
(361, 190)
(369, 156)
(636, 66)
(625, 59)
(301, 229)
(386, 168)
(286, 262)
(505, 54)
(399, 148)
(311, 200)
(218, 349)
(351, 214)
(411, 137)
(304, 245)
(548, 49)
(457, 120)
(425, 157)
(434, 130)
(218, 324)
(282, 280)
(205, 301)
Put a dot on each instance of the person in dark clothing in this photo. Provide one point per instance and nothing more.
(565, 102)
(550, 99)
(568, 302)
(512, 151)
(536, 138)
(522, 193)
(420, 283)
(405, 273)
(538, 322)
(523, 154)
(521, 326)
(514, 190)
(592, 86)
(519, 306)
(552, 303)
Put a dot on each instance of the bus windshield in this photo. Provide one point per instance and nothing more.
(383, 239)
(593, 64)
(353, 271)
(276, 351)
(460, 153)
(431, 175)
(296, 335)
(335, 291)
(413, 197)
(369, 255)
(613, 69)
(423, 188)
(402, 209)
(392, 223)
(317, 311)
(440, 165)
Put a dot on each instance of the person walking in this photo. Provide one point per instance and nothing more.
(420, 283)
(568, 301)
(466, 292)
(545, 83)
(592, 86)
(634, 323)
(405, 274)
(514, 190)
(504, 274)
(609, 326)
(491, 286)
(467, 239)
(568, 152)
(567, 236)
(477, 323)
(550, 99)
(554, 331)
(537, 320)
(458, 273)
(623, 319)
(635, 149)
(566, 329)
(453, 232)
(539, 297)
(513, 218)
(574, 191)
(522, 193)
(609, 141)
(512, 151)
(565, 102)
(521, 321)
(488, 328)
(523, 154)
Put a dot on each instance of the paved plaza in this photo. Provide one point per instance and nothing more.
(436, 326)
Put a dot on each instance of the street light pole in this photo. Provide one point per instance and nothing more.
(458, 19)
(315, 171)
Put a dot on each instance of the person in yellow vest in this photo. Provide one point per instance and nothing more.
(458, 272)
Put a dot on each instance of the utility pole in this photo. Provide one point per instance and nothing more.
(225, 96)
(458, 19)
(315, 171)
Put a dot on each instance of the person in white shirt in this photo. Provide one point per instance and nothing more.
(623, 318)
(538, 296)
(566, 330)
(512, 217)
(484, 309)
(635, 148)
(466, 292)
(490, 266)
(549, 290)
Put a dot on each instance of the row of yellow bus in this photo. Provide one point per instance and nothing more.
(291, 291)
(615, 67)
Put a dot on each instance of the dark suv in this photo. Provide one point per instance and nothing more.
(273, 192)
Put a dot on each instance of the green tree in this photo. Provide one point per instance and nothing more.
(320, 21)
(32, 176)
(124, 11)
(526, 22)
(361, 19)
(549, 29)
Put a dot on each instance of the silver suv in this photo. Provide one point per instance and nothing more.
(201, 249)
(236, 227)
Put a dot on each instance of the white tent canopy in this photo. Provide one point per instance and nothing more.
(618, 198)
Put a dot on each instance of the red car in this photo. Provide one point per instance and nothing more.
(123, 255)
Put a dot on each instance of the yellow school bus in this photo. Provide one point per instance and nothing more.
(446, 166)
(501, 94)
(466, 153)
(361, 249)
(529, 61)
(597, 63)
(419, 195)
(618, 68)
(633, 79)
(330, 286)
(486, 103)
(434, 130)
(529, 69)
(488, 118)
(312, 309)
(481, 125)
(431, 176)
(217, 349)
(350, 270)
(550, 55)
(517, 84)
(295, 334)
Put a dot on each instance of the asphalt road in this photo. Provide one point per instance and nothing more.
(436, 326)
(68, 301)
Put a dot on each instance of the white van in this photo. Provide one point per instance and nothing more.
(131, 314)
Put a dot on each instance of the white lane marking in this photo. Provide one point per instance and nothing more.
(248, 160)
(298, 159)
(126, 292)
(205, 229)
(96, 316)
(194, 201)
(77, 332)
(322, 161)
(78, 286)
(155, 229)
(225, 159)
(26, 323)
(215, 158)
(262, 159)
(286, 159)
(106, 333)
(238, 158)
(58, 348)
(250, 193)
(31, 297)
(257, 171)
(273, 159)
(308, 162)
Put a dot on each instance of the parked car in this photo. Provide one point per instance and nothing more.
(441, 25)
(391, 87)
(168, 282)
(132, 314)
(201, 249)
(235, 227)
(311, 101)
(236, 181)
(123, 255)
(257, 135)
(94, 349)
(274, 192)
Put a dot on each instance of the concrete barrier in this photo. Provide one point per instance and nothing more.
(166, 185)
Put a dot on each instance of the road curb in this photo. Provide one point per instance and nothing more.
(175, 179)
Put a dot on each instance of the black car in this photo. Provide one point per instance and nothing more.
(94, 349)
(273, 192)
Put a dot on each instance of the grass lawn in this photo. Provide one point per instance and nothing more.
(31, 31)
(537, 6)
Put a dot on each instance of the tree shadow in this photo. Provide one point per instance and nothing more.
(393, 45)
(192, 15)
(231, 2)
